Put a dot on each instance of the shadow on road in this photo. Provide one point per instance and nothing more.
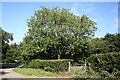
(3, 73)
(5, 66)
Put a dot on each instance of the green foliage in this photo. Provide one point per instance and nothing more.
(55, 32)
(109, 43)
(6, 37)
(79, 72)
(105, 62)
(9, 52)
(0, 44)
(49, 65)
(13, 53)
(97, 45)
(113, 42)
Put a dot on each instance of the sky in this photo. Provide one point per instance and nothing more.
(15, 15)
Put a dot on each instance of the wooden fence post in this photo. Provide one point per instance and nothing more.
(69, 67)
(85, 65)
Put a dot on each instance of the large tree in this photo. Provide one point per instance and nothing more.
(57, 31)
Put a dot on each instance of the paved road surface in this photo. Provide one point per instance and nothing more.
(9, 73)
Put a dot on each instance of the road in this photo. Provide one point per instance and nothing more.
(7, 72)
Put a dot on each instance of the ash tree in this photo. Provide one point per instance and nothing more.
(57, 31)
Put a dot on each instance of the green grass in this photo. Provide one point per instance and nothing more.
(35, 72)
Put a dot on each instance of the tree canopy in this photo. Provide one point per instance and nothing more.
(56, 31)
(6, 37)
(109, 43)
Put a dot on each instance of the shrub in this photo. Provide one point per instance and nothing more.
(107, 62)
(49, 65)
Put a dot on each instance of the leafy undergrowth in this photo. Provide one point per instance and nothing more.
(76, 72)
(81, 72)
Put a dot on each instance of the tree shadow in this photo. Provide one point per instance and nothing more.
(5, 66)
(3, 73)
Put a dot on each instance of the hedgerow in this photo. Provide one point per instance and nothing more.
(49, 65)
(109, 62)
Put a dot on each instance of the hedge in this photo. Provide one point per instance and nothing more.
(49, 65)
(109, 62)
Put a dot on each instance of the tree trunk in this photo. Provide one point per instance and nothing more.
(85, 65)
(58, 54)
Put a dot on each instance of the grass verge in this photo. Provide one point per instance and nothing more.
(76, 72)
(35, 72)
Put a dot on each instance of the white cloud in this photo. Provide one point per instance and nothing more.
(77, 8)
(75, 11)
(80, 9)
(89, 9)
(98, 19)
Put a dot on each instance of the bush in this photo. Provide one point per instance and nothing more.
(107, 62)
(49, 65)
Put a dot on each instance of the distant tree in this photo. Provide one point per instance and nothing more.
(6, 37)
(0, 44)
(109, 43)
(57, 31)
(98, 45)
(13, 53)
(113, 42)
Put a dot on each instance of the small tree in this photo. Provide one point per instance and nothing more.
(59, 29)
